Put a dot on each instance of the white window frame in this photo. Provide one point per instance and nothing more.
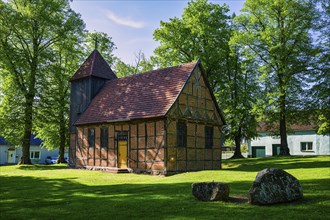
(307, 145)
(33, 152)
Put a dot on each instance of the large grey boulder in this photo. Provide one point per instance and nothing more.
(273, 185)
(211, 191)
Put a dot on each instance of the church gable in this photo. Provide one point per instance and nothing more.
(196, 101)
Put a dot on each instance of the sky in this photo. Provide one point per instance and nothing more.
(131, 23)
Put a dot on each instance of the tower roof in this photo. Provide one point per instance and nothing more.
(94, 65)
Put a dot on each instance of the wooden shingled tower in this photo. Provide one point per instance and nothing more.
(86, 83)
(163, 121)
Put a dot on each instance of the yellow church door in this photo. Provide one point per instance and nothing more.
(122, 154)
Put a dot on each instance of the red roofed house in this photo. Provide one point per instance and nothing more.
(163, 121)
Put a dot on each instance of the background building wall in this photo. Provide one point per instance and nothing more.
(321, 143)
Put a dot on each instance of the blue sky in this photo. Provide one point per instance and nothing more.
(131, 23)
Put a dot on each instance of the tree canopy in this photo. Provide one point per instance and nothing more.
(204, 32)
(269, 63)
(278, 35)
(320, 91)
(52, 117)
(28, 30)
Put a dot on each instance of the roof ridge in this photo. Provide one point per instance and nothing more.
(157, 70)
(164, 68)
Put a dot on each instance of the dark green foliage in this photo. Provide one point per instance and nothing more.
(204, 32)
(52, 118)
(28, 31)
(278, 37)
(320, 91)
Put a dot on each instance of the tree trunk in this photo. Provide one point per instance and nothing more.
(284, 149)
(238, 153)
(60, 158)
(29, 94)
(25, 159)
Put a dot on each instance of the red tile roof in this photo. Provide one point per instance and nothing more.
(145, 95)
(94, 65)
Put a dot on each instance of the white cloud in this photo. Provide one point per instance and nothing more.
(124, 21)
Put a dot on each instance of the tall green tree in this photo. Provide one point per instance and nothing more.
(28, 29)
(238, 95)
(204, 32)
(52, 118)
(278, 35)
(11, 111)
(320, 91)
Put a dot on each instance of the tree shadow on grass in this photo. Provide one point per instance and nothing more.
(43, 167)
(258, 164)
(42, 198)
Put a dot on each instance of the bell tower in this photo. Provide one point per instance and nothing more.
(85, 84)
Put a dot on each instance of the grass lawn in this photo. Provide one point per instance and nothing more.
(56, 192)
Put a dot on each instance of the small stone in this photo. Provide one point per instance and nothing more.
(210, 191)
(273, 185)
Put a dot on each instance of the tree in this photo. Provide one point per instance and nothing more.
(52, 118)
(320, 91)
(240, 91)
(28, 29)
(102, 42)
(142, 64)
(277, 33)
(204, 32)
(122, 69)
(11, 111)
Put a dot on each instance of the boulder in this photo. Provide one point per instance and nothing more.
(273, 185)
(210, 191)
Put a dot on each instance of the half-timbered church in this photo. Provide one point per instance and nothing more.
(163, 121)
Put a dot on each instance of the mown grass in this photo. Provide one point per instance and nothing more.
(56, 192)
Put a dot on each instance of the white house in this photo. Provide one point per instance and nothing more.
(303, 140)
(11, 154)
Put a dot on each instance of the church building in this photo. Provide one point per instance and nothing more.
(164, 121)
